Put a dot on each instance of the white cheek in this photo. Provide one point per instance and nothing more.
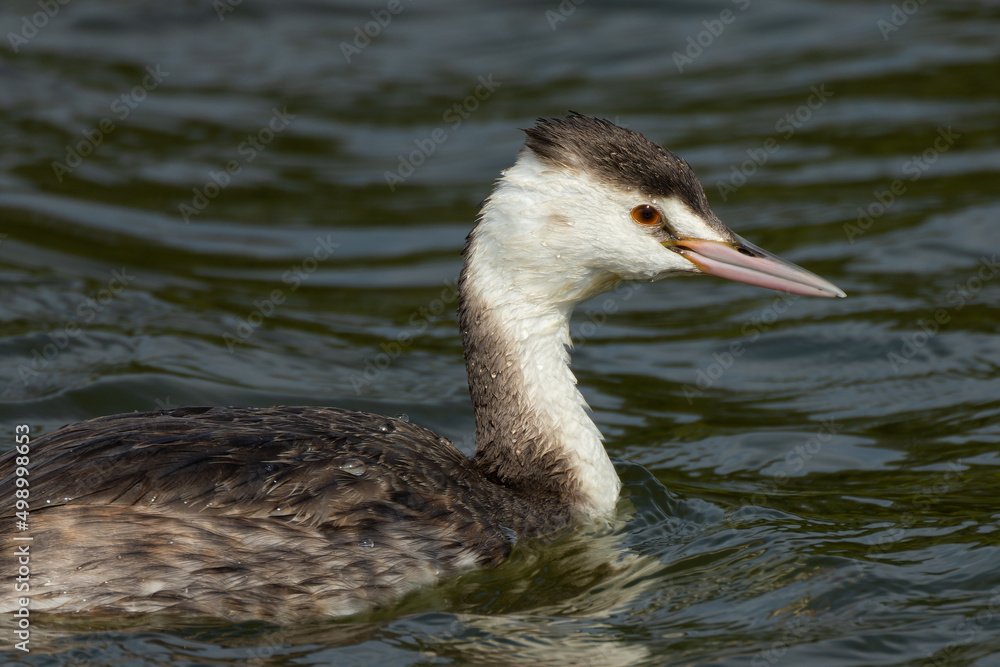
(641, 256)
(686, 223)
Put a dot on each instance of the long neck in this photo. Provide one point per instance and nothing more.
(533, 433)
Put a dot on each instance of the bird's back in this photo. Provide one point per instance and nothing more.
(256, 513)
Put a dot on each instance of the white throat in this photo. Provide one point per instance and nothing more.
(517, 298)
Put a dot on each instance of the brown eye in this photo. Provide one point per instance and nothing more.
(645, 214)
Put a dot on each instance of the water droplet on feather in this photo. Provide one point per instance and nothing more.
(354, 467)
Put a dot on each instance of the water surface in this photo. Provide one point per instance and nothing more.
(249, 207)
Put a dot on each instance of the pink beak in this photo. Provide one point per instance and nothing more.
(746, 263)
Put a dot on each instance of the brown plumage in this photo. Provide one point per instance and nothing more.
(256, 513)
(623, 158)
(512, 447)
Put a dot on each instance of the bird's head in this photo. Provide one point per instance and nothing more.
(589, 203)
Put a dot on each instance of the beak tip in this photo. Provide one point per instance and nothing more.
(746, 263)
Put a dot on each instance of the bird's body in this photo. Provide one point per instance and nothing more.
(297, 511)
(260, 513)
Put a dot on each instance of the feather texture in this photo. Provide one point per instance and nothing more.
(194, 510)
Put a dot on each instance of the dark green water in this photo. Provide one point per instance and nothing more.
(827, 495)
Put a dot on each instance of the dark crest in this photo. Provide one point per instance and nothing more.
(620, 156)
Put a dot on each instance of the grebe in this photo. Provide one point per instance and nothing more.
(289, 512)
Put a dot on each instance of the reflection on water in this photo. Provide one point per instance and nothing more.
(257, 204)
